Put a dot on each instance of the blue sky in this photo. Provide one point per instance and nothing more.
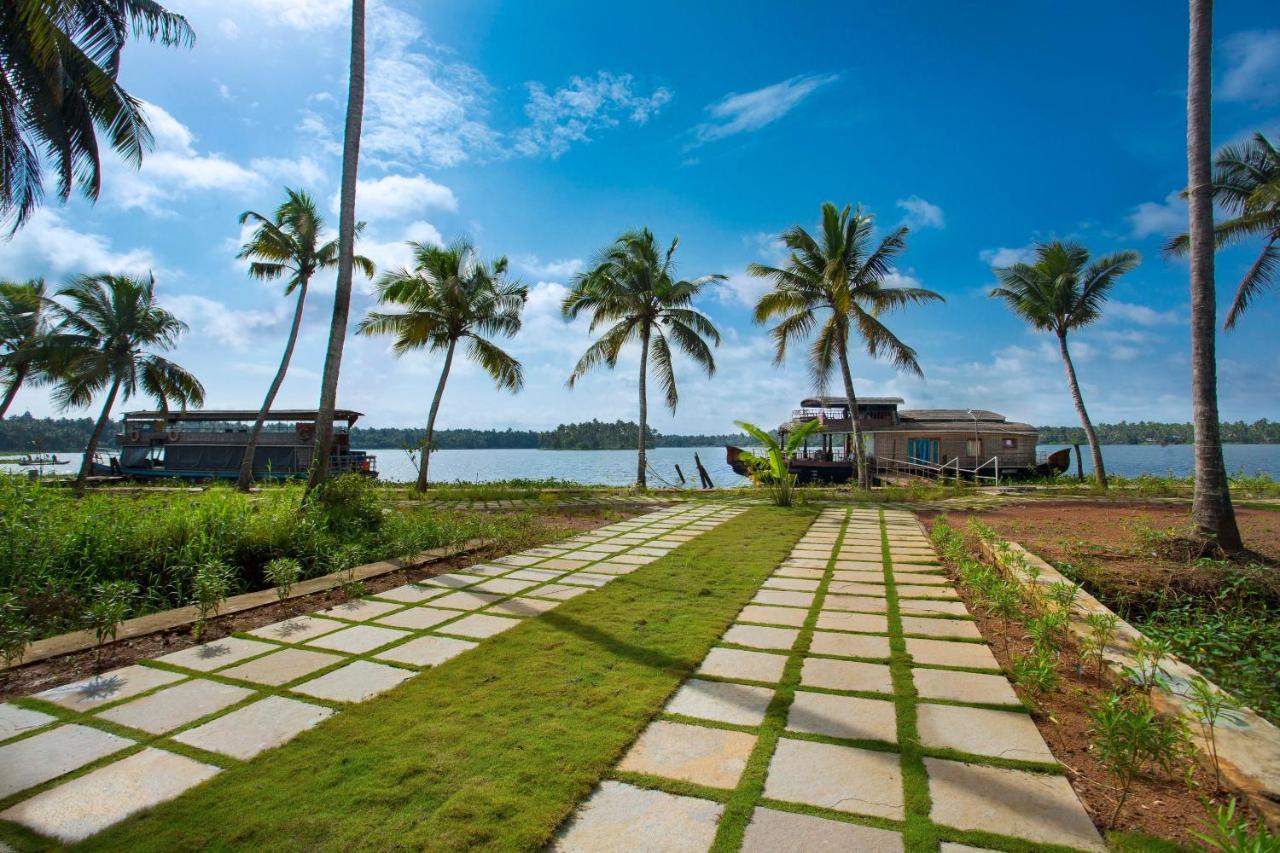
(543, 130)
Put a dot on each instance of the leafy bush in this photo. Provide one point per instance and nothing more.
(107, 610)
(1130, 739)
(210, 584)
(282, 573)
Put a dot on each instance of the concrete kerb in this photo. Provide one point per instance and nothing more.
(78, 641)
(1248, 746)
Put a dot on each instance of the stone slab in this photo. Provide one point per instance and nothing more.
(521, 559)
(358, 639)
(298, 629)
(450, 581)
(856, 603)
(480, 625)
(504, 586)
(410, 593)
(771, 831)
(846, 675)
(219, 653)
(939, 608)
(621, 818)
(47, 755)
(537, 575)
(522, 607)
(487, 570)
(1037, 807)
(418, 618)
(466, 600)
(359, 610)
(911, 590)
(15, 720)
(562, 563)
(981, 731)
(767, 614)
(841, 778)
(920, 579)
(957, 628)
(793, 584)
(865, 576)
(867, 623)
(426, 651)
(758, 637)
(740, 704)
(282, 667)
(255, 728)
(849, 645)
(747, 666)
(698, 754)
(108, 687)
(176, 706)
(89, 804)
(591, 579)
(355, 682)
(848, 717)
(607, 568)
(559, 591)
(783, 598)
(945, 653)
(842, 587)
(970, 687)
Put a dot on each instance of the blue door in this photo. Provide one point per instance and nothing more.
(922, 449)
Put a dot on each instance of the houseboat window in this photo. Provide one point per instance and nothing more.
(1010, 443)
(973, 447)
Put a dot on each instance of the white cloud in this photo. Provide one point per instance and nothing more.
(1006, 256)
(397, 196)
(1143, 315)
(394, 254)
(750, 111)
(229, 29)
(921, 213)
(299, 172)
(211, 319)
(306, 14)
(572, 113)
(1159, 218)
(560, 270)
(47, 245)
(173, 169)
(742, 288)
(1253, 67)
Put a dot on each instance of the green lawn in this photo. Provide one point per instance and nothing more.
(494, 748)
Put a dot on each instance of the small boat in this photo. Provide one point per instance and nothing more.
(42, 461)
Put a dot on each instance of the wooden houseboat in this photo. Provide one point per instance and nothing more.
(967, 443)
(210, 444)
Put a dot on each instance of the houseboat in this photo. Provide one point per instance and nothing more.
(963, 443)
(210, 444)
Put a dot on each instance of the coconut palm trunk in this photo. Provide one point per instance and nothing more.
(641, 480)
(846, 375)
(1211, 504)
(86, 465)
(19, 376)
(346, 253)
(1095, 451)
(431, 417)
(246, 464)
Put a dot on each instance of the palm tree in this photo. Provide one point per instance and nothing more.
(23, 329)
(288, 245)
(1246, 183)
(323, 443)
(60, 61)
(106, 333)
(1211, 507)
(449, 296)
(1062, 292)
(633, 286)
(839, 274)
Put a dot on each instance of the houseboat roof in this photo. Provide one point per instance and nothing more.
(829, 402)
(947, 420)
(969, 415)
(205, 415)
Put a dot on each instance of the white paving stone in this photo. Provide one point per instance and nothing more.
(358, 639)
(176, 706)
(254, 728)
(426, 651)
(722, 701)
(842, 778)
(298, 629)
(14, 720)
(360, 610)
(108, 687)
(219, 653)
(355, 682)
(282, 667)
(621, 818)
(772, 831)
(47, 755)
(480, 625)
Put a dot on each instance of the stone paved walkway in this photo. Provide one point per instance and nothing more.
(852, 706)
(78, 758)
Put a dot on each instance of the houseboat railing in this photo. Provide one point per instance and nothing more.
(916, 466)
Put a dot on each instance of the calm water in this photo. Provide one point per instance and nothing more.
(618, 467)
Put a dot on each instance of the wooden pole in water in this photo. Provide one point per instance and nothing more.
(680, 474)
(702, 473)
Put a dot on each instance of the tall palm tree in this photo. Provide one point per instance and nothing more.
(1246, 183)
(1059, 293)
(840, 276)
(60, 60)
(107, 332)
(323, 443)
(23, 330)
(288, 245)
(633, 287)
(1211, 508)
(450, 296)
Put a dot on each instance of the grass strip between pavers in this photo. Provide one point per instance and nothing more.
(494, 748)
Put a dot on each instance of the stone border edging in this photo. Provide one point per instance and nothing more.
(1248, 746)
(79, 641)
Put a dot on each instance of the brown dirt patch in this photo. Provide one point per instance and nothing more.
(42, 675)
(1163, 806)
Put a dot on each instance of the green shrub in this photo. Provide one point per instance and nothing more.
(1232, 835)
(15, 630)
(107, 610)
(282, 573)
(210, 585)
(1130, 739)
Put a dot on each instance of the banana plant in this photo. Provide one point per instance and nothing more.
(770, 469)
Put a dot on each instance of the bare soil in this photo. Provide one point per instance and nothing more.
(52, 672)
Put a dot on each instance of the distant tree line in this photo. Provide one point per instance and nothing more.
(24, 433)
(1150, 432)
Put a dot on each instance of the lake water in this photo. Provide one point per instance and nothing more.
(618, 467)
